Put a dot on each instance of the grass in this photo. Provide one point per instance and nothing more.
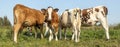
(89, 38)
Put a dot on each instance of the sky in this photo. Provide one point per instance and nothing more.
(6, 7)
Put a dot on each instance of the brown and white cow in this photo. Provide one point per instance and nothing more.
(52, 22)
(96, 14)
(71, 18)
(27, 17)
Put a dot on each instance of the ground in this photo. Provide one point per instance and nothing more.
(90, 37)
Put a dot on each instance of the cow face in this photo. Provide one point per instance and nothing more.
(73, 13)
(78, 13)
(49, 10)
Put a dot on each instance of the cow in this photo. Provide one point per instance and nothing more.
(71, 19)
(52, 22)
(27, 17)
(91, 16)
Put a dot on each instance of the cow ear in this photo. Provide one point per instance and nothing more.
(69, 13)
(56, 9)
(79, 11)
(67, 10)
(43, 10)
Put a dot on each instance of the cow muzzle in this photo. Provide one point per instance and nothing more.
(49, 18)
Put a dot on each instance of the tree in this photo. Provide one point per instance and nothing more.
(1, 21)
(6, 21)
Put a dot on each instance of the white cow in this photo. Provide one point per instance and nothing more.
(96, 14)
(71, 18)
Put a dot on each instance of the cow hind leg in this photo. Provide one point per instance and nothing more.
(65, 33)
(105, 26)
(16, 30)
(35, 31)
(41, 30)
(60, 33)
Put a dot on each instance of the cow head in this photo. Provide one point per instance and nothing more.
(49, 12)
(74, 12)
(78, 12)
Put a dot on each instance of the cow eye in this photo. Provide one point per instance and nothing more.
(75, 14)
(46, 13)
(88, 17)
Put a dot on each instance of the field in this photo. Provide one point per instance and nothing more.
(90, 37)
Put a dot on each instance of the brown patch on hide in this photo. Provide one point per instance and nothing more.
(96, 9)
(84, 12)
(85, 15)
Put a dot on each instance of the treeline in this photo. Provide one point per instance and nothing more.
(117, 26)
(4, 21)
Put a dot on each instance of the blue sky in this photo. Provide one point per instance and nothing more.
(6, 6)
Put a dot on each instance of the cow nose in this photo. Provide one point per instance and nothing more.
(49, 20)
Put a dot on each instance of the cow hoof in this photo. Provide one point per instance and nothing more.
(15, 41)
(107, 39)
(76, 41)
(50, 40)
(56, 39)
(72, 39)
(65, 38)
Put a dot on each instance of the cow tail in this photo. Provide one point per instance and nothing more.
(105, 10)
(15, 20)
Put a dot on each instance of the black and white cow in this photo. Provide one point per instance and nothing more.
(96, 14)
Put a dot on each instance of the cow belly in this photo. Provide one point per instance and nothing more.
(29, 22)
(55, 24)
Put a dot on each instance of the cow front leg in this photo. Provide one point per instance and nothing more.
(56, 38)
(79, 30)
(76, 35)
(46, 26)
(56, 33)
(51, 35)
